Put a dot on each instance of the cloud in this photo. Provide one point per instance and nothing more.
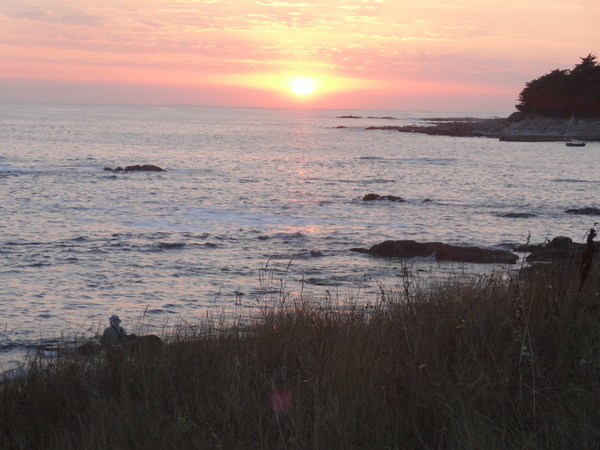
(52, 16)
(368, 40)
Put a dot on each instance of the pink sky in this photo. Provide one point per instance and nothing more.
(447, 55)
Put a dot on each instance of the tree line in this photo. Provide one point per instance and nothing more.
(562, 93)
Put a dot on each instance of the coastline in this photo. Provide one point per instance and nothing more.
(484, 350)
(515, 128)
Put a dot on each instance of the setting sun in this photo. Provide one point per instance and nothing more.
(302, 86)
(330, 54)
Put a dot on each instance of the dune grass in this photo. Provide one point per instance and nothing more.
(502, 362)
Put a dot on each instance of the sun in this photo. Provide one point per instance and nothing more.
(302, 86)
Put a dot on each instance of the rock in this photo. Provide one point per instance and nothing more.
(584, 211)
(517, 127)
(515, 215)
(465, 126)
(558, 241)
(561, 241)
(144, 168)
(137, 168)
(391, 198)
(440, 251)
(360, 250)
(309, 254)
(560, 248)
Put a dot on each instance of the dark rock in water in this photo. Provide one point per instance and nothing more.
(144, 168)
(137, 168)
(440, 251)
(360, 250)
(518, 215)
(560, 248)
(309, 254)
(171, 245)
(585, 211)
(391, 198)
(561, 241)
(558, 241)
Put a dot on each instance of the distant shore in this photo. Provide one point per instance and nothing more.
(516, 127)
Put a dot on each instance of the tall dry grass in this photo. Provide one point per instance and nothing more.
(499, 363)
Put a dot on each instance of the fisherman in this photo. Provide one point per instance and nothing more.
(114, 334)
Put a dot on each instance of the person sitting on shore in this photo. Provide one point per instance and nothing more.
(114, 334)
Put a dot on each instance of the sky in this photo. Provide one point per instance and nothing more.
(447, 55)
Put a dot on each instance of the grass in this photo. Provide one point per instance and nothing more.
(502, 362)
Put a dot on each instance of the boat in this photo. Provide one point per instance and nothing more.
(573, 142)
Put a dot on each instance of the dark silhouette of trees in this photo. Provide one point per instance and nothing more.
(561, 93)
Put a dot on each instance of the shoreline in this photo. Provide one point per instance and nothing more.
(485, 350)
(515, 128)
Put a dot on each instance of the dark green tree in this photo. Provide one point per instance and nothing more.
(564, 92)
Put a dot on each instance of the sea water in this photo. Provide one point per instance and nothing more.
(253, 203)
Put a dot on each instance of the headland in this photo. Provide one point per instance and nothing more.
(518, 127)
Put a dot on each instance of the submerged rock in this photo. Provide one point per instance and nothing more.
(515, 215)
(137, 168)
(561, 248)
(584, 211)
(391, 198)
(439, 251)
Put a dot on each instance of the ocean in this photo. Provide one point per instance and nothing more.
(255, 205)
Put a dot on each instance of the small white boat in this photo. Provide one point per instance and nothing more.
(573, 142)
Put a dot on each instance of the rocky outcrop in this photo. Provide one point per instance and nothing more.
(516, 127)
(561, 248)
(461, 127)
(391, 198)
(584, 211)
(136, 168)
(515, 215)
(439, 251)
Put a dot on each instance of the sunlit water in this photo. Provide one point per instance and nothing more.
(253, 201)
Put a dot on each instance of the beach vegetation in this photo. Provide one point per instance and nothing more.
(506, 360)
